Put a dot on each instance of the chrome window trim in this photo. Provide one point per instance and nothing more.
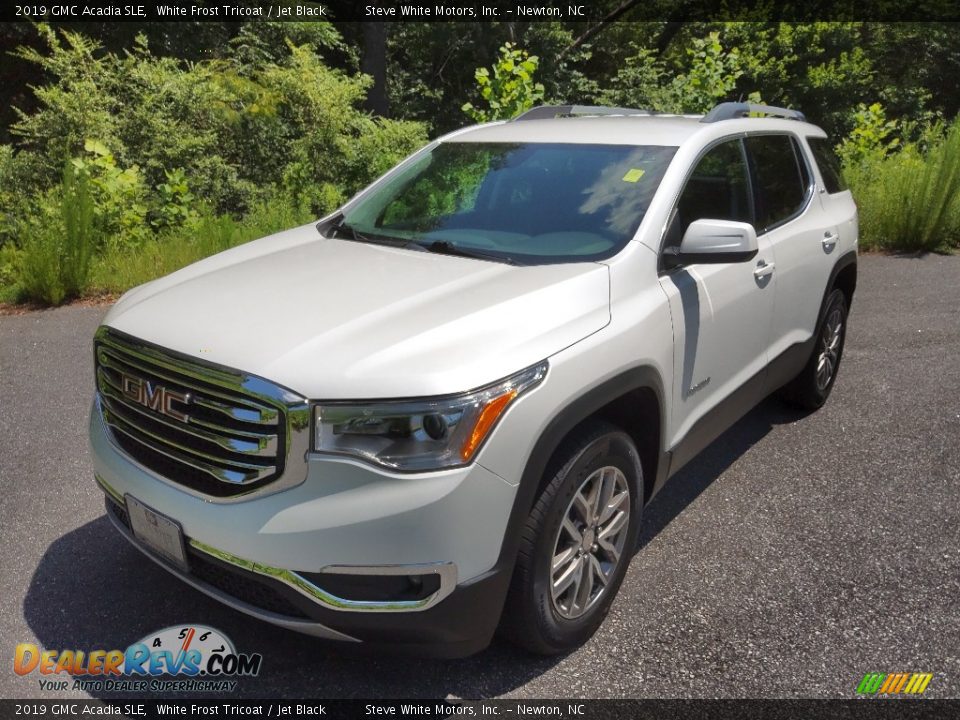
(295, 409)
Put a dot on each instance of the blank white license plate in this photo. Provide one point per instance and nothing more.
(157, 532)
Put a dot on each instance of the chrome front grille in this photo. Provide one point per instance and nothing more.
(215, 431)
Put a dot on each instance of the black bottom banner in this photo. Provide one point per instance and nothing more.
(572, 709)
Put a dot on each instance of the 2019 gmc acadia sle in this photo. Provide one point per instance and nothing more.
(443, 408)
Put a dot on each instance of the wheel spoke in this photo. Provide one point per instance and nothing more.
(572, 530)
(583, 505)
(613, 505)
(594, 497)
(570, 575)
(610, 548)
(610, 530)
(562, 558)
(598, 570)
(584, 587)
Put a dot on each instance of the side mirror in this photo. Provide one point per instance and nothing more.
(714, 241)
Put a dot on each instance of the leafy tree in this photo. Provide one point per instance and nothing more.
(510, 89)
(710, 76)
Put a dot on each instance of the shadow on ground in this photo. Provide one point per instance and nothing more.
(92, 590)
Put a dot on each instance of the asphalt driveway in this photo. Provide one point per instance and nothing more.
(796, 554)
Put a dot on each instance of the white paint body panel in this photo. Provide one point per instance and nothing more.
(335, 319)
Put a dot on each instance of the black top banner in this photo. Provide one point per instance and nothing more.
(484, 11)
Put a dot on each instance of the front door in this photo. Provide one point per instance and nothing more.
(722, 313)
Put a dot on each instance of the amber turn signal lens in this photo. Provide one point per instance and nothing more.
(488, 418)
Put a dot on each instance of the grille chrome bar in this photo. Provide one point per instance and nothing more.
(238, 411)
(250, 473)
(248, 442)
(213, 431)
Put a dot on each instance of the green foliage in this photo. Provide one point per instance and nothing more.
(10, 261)
(709, 76)
(60, 242)
(908, 200)
(175, 202)
(204, 234)
(223, 129)
(269, 126)
(118, 199)
(872, 136)
(510, 89)
(235, 126)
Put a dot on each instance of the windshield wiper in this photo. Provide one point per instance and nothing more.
(445, 247)
(348, 232)
(345, 229)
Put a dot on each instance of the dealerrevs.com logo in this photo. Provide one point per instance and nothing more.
(201, 658)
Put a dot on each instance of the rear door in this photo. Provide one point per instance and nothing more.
(801, 238)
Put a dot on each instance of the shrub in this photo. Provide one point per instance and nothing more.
(267, 138)
(235, 126)
(10, 260)
(59, 243)
(909, 200)
(119, 269)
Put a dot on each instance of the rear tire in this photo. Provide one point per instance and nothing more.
(577, 542)
(811, 388)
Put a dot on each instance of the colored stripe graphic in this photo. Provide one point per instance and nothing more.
(894, 683)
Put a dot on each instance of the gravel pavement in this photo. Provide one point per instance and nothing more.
(795, 554)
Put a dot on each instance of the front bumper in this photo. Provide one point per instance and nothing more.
(255, 555)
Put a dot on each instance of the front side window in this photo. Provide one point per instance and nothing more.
(782, 179)
(524, 202)
(717, 189)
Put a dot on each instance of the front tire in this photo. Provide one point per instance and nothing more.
(811, 388)
(577, 542)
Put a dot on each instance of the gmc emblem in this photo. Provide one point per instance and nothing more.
(155, 397)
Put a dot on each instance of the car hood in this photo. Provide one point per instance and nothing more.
(336, 319)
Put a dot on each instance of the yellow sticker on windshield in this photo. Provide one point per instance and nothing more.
(633, 174)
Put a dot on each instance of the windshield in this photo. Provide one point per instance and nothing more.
(528, 203)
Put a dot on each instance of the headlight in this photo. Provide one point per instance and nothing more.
(423, 434)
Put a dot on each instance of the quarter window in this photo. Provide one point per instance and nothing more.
(828, 164)
(782, 179)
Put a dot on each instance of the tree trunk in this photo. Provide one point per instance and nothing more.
(374, 63)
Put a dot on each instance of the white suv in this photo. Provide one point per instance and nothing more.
(444, 407)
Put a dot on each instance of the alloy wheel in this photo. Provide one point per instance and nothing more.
(829, 348)
(590, 542)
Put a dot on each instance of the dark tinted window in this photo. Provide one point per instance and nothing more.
(782, 178)
(717, 189)
(828, 164)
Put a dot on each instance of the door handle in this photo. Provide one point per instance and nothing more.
(763, 269)
(829, 240)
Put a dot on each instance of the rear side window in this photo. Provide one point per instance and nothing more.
(782, 179)
(828, 164)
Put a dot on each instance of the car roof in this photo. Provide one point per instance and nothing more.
(663, 130)
(669, 130)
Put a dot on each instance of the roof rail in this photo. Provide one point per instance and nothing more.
(545, 112)
(731, 110)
